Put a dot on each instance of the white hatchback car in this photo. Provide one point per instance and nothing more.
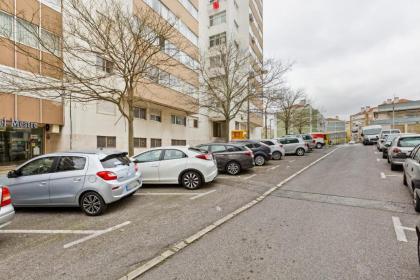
(187, 166)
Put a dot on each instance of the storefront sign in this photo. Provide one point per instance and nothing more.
(17, 123)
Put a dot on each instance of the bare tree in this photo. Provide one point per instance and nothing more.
(288, 105)
(108, 51)
(229, 83)
(300, 119)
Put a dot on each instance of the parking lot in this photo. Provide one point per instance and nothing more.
(42, 243)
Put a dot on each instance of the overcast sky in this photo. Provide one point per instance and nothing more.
(347, 53)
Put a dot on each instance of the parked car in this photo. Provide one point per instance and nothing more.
(411, 176)
(418, 240)
(90, 180)
(309, 140)
(277, 149)
(371, 134)
(183, 165)
(387, 144)
(401, 148)
(230, 158)
(262, 152)
(7, 212)
(294, 145)
(383, 137)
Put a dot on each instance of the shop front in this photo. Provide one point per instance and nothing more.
(25, 125)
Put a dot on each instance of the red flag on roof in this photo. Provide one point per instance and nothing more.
(216, 4)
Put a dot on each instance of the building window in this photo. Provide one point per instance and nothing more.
(218, 39)
(27, 33)
(217, 129)
(105, 107)
(51, 42)
(175, 142)
(156, 115)
(104, 65)
(140, 143)
(6, 25)
(195, 123)
(140, 113)
(237, 125)
(106, 141)
(154, 142)
(179, 120)
(218, 18)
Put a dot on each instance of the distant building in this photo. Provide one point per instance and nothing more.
(336, 130)
(363, 118)
(402, 114)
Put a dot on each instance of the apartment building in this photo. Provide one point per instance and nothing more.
(240, 21)
(336, 130)
(399, 113)
(164, 114)
(361, 119)
(28, 124)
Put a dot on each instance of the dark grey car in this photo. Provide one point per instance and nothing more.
(230, 158)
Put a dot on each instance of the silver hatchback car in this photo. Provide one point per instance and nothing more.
(401, 148)
(90, 180)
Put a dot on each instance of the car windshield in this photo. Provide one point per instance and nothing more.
(371, 131)
(409, 142)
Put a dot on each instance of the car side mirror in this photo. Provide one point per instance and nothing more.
(13, 174)
(136, 161)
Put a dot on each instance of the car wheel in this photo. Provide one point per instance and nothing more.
(92, 204)
(259, 160)
(384, 155)
(277, 156)
(394, 167)
(404, 179)
(191, 180)
(300, 152)
(233, 168)
(318, 145)
(416, 202)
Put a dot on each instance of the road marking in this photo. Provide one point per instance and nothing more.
(274, 167)
(383, 175)
(176, 248)
(288, 166)
(47, 231)
(96, 234)
(249, 177)
(393, 175)
(305, 168)
(291, 161)
(378, 159)
(399, 229)
(202, 194)
(228, 176)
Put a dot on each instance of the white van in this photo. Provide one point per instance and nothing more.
(371, 134)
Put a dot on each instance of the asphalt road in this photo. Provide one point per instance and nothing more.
(147, 224)
(332, 221)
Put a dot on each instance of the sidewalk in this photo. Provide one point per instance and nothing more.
(5, 169)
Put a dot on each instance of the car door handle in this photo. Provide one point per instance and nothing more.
(43, 184)
(77, 179)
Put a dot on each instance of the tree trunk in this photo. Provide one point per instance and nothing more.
(227, 130)
(286, 127)
(130, 121)
(266, 126)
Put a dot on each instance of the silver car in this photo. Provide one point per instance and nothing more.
(401, 148)
(277, 149)
(90, 180)
(411, 176)
(7, 212)
(294, 145)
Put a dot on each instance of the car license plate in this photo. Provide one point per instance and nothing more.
(131, 186)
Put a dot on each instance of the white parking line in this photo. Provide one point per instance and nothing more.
(378, 159)
(274, 167)
(249, 177)
(399, 229)
(164, 193)
(291, 161)
(96, 234)
(202, 194)
(228, 176)
(383, 175)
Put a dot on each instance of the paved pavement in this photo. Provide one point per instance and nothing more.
(332, 221)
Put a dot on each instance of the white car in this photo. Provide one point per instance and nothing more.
(277, 149)
(187, 166)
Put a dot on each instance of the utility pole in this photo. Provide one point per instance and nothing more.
(393, 112)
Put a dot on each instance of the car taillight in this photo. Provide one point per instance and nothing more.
(136, 167)
(396, 150)
(107, 175)
(249, 153)
(6, 199)
(205, 156)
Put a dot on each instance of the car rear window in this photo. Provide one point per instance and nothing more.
(114, 160)
(234, 149)
(409, 142)
(268, 143)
